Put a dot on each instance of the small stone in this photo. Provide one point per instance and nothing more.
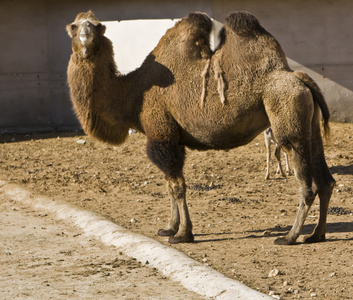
(313, 295)
(81, 142)
(133, 220)
(266, 232)
(273, 273)
(274, 295)
(285, 283)
(333, 274)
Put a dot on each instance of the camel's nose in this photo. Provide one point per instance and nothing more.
(86, 28)
(86, 33)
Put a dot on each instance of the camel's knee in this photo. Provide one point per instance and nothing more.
(307, 195)
(176, 187)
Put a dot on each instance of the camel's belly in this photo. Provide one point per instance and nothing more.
(224, 135)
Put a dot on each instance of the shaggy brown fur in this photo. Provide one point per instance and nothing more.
(245, 87)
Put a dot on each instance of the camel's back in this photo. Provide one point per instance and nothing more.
(216, 101)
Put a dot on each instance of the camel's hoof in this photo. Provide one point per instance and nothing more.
(166, 232)
(312, 238)
(283, 241)
(181, 239)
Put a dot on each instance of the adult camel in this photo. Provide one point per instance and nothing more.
(185, 95)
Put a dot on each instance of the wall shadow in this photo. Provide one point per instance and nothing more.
(17, 137)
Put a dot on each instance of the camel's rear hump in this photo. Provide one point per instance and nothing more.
(244, 24)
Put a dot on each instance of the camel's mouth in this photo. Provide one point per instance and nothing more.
(86, 39)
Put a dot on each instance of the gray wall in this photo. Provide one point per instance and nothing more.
(316, 36)
(34, 49)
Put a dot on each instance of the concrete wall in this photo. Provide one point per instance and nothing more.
(317, 38)
(34, 50)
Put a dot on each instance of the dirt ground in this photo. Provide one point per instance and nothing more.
(236, 214)
(43, 258)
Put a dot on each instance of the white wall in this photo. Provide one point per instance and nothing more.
(133, 40)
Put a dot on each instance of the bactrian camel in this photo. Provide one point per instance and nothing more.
(185, 95)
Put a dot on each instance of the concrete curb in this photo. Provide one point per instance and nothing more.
(193, 275)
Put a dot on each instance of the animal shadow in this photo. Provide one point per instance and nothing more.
(342, 170)
(158, 74)
(197, 241)
(338, 227)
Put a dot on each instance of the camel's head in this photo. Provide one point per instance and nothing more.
(86, 33)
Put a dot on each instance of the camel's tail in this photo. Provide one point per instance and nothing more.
(319, 98)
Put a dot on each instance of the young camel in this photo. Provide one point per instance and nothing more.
(183, 95)
(270, 139)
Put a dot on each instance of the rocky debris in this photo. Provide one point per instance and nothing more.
(205, 188)
(335, 210)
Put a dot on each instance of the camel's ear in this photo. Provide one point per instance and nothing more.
(71, 29)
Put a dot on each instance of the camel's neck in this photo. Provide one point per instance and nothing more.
(99, 96)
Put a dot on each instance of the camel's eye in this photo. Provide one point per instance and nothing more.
(73, 27)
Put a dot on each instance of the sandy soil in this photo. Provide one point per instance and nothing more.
(236, 213)
(43, 258)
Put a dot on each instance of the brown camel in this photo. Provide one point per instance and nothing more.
(184, 95)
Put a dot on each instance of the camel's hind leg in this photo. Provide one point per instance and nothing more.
(314, 178)
(324, 184)
(303, 172)
(169, 157)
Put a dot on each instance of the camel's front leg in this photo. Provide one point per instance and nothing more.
(177, 190)
(174, 221)
(169, 157)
